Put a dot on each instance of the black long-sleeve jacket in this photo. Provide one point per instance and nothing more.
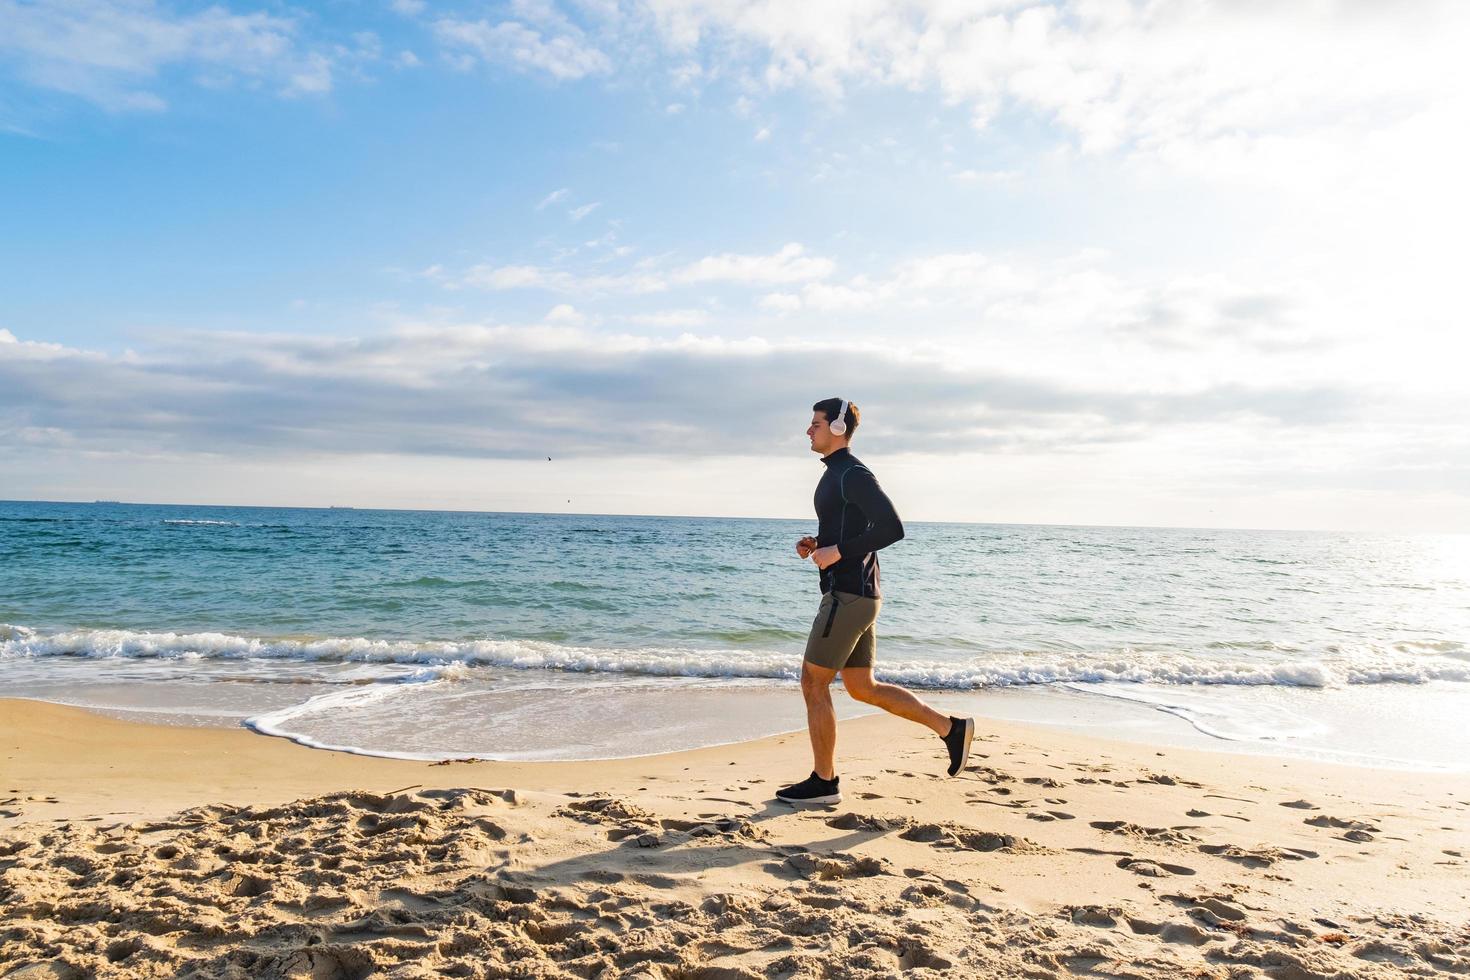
(855, 514)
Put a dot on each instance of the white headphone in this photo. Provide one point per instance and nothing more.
(838, 425)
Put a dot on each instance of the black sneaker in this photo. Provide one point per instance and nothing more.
(811, 790)
(961, 732)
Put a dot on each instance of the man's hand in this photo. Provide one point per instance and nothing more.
(826, 556)
(806, 546)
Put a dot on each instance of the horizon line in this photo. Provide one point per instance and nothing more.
(716, 517)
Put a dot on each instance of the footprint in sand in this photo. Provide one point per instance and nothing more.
(604, 809)
(916, 956)
(968, 838)
(245, 885)
(1101, 916)
(1172, 932)
(927, 894)
(119, 950)
(863, 821)
(1262, 857)
(1162, 835)
(1163, 779)
(880, 796)
(1220, 909)
(837, 866)
(1153, 869)
(1337, 823)
(347, 962)
(1099, 852)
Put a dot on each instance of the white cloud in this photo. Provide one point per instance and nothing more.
(668, 318)
(559, 194)
(313, 78)
(1118, 73)
(493, 277)
(409, 8)
(246, 395)
(507, 277)
(1077, 317)
(838, 298)
(780, 302)
(687, 75)
(543, 13)
(674, 108)
(969, 176)
(565, 315)
(112, 53)
(762, 134)
(578, 213)
(565, 56)
(790, 264)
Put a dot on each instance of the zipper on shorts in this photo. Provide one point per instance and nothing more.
(832, 615)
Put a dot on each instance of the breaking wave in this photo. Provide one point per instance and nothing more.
(1361, 665)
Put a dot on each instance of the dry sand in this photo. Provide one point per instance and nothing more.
(132, 850)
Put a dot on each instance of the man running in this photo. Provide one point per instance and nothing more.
(855, 518)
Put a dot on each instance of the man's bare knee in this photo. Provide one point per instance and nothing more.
(866, 693)
(815, 682)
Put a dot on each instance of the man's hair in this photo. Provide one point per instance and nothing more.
(830, 406)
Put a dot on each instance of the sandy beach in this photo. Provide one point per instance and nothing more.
(137, 850)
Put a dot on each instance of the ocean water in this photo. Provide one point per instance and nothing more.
(435, 634)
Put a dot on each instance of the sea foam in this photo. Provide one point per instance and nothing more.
(1363, 665)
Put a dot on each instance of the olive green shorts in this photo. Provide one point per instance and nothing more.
(843, 634)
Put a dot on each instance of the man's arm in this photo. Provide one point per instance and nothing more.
(861, 487)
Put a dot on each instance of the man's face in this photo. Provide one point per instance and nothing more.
(822, 439)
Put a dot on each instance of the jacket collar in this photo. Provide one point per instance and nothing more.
(833, 458)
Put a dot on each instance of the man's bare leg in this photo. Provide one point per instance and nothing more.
(821, 719)
(891, 698)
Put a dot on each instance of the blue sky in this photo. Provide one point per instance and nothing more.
(1094, 262)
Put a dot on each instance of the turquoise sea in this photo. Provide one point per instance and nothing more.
(436, 634)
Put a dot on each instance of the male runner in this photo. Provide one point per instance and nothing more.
(854, 519)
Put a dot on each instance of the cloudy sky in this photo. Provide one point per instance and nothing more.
(1105, 262)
